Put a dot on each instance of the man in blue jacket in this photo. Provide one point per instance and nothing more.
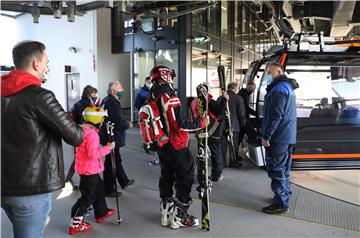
(279, 135)
(143, 94)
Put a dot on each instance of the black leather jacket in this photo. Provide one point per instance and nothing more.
(33, 124)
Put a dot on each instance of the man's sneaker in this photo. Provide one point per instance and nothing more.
(167, 209)
(274, 209)
(77, 224)
(108, 214)
(181, 218)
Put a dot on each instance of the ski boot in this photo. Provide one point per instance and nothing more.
(77, 224)
(180, 216)
(167, 209)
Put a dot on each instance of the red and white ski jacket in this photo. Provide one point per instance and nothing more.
(177, 125)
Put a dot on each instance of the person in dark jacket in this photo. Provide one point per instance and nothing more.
(237, 118)
(248, 129)
(176, 162)
(88, 98)
(143, 94)
(112, 104)
(279, 135)
(215, 132)
(33, 124)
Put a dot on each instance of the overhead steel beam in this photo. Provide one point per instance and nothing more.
(341, 22)
(288, 11)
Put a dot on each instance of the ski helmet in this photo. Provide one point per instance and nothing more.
(94, 115)
(162, 72)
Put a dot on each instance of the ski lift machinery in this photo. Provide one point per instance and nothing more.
(327, 70)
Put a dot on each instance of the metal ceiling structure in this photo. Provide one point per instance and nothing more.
(333, 18)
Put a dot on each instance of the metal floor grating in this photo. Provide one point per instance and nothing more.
(312, 206)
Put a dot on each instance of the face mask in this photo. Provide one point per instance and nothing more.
(250, 90)
(148, 85)
(45, 74)
(120, 94)
(267, 79)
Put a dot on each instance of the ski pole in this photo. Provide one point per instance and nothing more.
(110, 132)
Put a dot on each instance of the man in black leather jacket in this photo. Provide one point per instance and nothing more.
(32, 126)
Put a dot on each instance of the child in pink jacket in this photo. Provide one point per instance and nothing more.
(89, 164)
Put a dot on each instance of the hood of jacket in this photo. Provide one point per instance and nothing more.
(17, 80)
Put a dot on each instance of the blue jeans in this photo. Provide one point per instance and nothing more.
(28, 214)
(278, 165)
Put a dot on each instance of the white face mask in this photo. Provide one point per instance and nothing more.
(149, 85)
(45, 74)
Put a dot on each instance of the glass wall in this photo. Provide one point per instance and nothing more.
(226, 20)
(213, 79)
(143, 63)
(214, 19)
(198, 70)
(199, 20)
(241, 29)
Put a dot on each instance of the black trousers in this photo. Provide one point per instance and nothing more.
(177, 167)
(92, 193)
(217, 163)
(224, 146)
(120, 172)
(249, 130)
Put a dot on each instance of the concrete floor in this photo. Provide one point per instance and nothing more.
(233, 214)
(140, 211)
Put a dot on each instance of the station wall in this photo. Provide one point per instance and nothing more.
(90, 35)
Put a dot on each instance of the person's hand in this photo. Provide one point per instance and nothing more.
(131, 125)
(205, 119)
(111, 145)
(265, 143)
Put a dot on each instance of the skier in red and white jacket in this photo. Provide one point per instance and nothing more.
(177, 164)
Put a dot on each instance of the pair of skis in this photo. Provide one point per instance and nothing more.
(228, 130)
(203, 149)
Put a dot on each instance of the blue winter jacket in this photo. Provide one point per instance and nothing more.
(279, 122)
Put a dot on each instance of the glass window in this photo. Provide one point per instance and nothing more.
(226, 62)
(246, 27)
(251, 38)
(225, 20)
(245, 59)
(339, 95)
(214, 19)
(213, 78)
(238, 23)
(143, 63)
(168, 58)
(199, 20)
(198, 72)
(238, 74)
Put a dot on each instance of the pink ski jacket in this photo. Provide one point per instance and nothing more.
(89, 154)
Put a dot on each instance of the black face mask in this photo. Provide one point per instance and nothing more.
(250, 90)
